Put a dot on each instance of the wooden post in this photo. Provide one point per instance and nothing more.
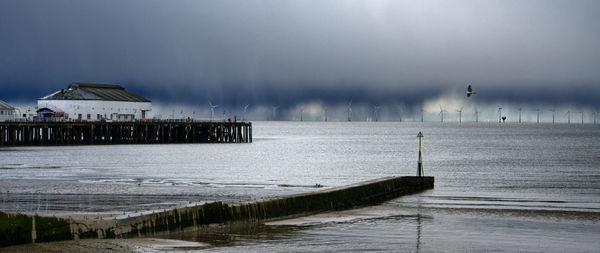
(1, 135)
(146, 139)
(420, 162)
(62, 134)
(194, 134)
(44, 134)
(120, 139)
(91, 133)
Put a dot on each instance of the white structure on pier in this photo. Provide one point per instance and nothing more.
(7, 112)
(94, 102)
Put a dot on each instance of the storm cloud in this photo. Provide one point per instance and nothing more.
(292, 52)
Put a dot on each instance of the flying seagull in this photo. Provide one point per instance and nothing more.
(470, 91)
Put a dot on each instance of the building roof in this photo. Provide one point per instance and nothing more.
(49, 110)
(93, 91)
(5, 106)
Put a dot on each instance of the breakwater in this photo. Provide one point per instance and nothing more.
(20, 228)
(142, 132)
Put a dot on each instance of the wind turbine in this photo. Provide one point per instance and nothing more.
(301, 112)
(538, 115)
(401, 111)
(376, 112)
(499, 114)
(476, 115)
(442, 111)
(460, 114)
(275, 111)
(520, 109)
(17, 114)
(212, 110)
(568, 116)
(581, 117)
(245, 109)
(552, 116)
(422, 112)
(349, 110)
(595, 117)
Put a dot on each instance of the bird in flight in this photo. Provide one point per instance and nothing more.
(470, 91)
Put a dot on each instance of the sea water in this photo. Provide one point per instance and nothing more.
(498, 187)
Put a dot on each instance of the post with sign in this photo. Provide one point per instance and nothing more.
(420, 164)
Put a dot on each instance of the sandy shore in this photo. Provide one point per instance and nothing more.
(108, 245)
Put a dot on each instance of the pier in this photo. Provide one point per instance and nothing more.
(138, 132)
(22, 228)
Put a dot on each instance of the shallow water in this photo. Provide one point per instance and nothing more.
(478, 168)
(439, 231)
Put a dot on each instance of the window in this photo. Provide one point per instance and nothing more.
(89, 116)
(79, 116)
(1, 112)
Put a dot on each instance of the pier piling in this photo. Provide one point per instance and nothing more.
(96, 133)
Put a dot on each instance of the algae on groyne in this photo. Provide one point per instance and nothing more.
(19, 228)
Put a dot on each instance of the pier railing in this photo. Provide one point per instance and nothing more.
(140, 132)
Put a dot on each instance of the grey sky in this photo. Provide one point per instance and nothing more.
(289, 52)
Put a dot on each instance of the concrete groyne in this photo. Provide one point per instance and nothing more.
(20, 228)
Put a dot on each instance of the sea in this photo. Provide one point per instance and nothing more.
(498, 187)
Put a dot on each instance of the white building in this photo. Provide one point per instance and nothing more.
(7, 112)
(93, 102)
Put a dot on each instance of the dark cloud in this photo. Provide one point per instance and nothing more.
(289, 52)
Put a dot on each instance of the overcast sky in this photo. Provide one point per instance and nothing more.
(293, 52)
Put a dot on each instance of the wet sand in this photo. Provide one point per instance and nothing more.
(388, 210)
(108, 245)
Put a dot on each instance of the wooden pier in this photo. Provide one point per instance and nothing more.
(98, 133)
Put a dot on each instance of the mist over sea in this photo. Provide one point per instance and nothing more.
(505, 187)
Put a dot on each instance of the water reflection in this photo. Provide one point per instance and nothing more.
(418, 233)
(390, 233)
(237, 234)
(391, 228)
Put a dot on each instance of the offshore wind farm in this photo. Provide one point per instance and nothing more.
(315, 110)
(454, 111)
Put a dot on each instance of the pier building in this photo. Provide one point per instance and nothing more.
(7, 112)
(94, 102)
